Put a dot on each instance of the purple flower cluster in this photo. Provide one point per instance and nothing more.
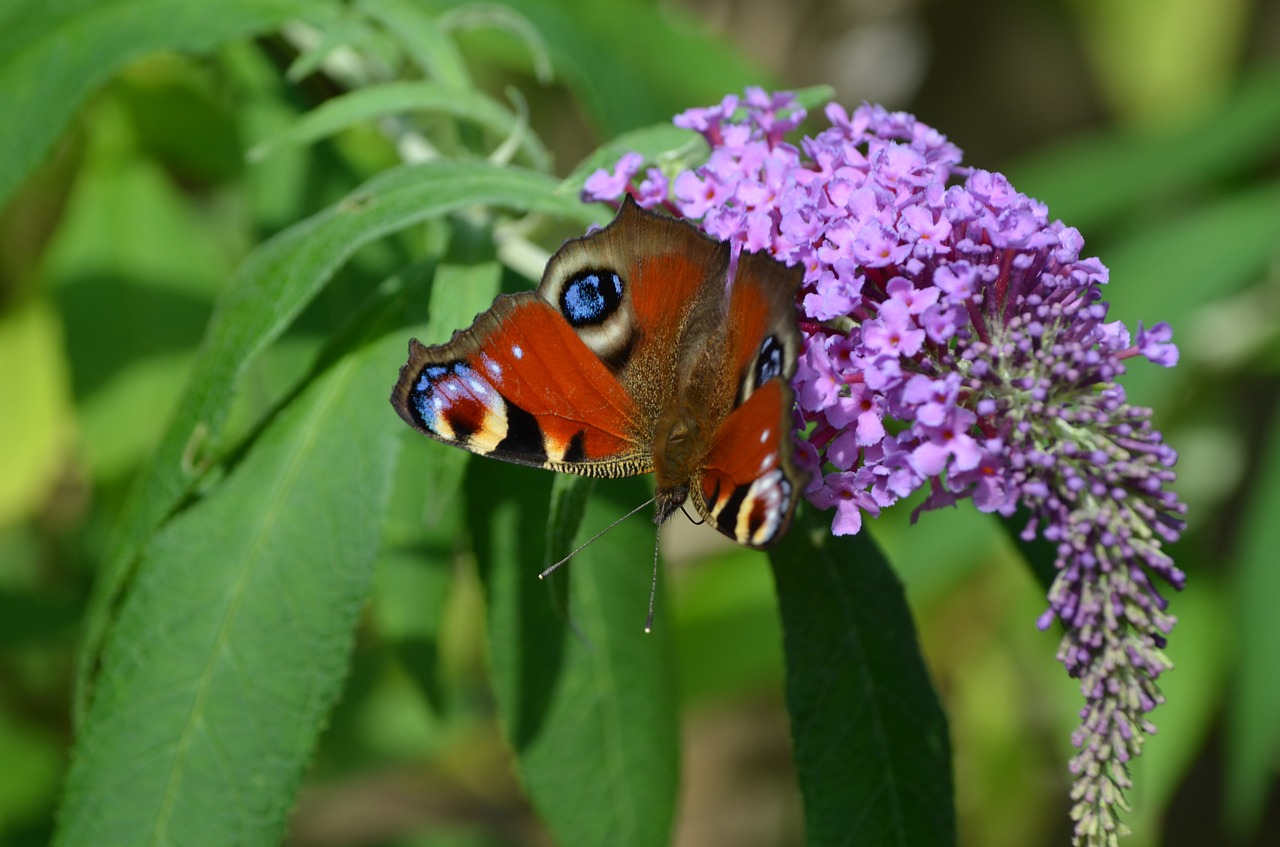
(956, 343)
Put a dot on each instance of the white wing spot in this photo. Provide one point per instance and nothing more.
(764, 435)
(516, 351)
(494, 369)
(767, 463)
(477, 386)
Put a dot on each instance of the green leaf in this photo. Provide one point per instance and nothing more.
(869, 735)
(53, 55)
(586, 698)
(268, 291)
(1253, 714)
(1089, 180)
(231, 647)
(1171, 271)
(498, 16)
(426, 43)
(398, 97)
(605, 53)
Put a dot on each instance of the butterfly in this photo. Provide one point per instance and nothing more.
(634, 355)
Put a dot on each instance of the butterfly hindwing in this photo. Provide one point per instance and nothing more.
(749, 485)
(763, 338)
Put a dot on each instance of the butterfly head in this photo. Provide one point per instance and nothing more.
(668, 500)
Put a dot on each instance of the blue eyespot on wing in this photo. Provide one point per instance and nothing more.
(590, 297)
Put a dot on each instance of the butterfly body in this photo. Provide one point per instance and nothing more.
(633, 356)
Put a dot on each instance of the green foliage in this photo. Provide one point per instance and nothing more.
(234, 579)
(587, 700)
(197, 734)
(1253, 726)
(871, 743)
(55, 54)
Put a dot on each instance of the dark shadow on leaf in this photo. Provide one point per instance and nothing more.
(508, 508)
(112, 322)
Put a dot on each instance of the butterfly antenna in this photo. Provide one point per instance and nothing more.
(653, 586)
(593, 539)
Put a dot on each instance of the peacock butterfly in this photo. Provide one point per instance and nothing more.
(634, 355)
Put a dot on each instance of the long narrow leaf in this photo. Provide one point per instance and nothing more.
(399, 97)
(587, 698)
(604, 52)
(231, 647)
(426, 43)
(1253, 719)
(869, 735)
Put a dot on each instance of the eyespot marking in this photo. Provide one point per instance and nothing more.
(590, 296)
(753, 514)
(768, 360)
(457, 403)
(766, 502)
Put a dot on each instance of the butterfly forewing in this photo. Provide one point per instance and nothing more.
(641, 293)
(519, 385)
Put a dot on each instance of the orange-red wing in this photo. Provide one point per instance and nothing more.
(632, 288)
(764, 342)
(520, 385)
(749, 485)
(673, 280)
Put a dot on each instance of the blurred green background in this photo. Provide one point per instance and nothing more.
(1151, 125)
